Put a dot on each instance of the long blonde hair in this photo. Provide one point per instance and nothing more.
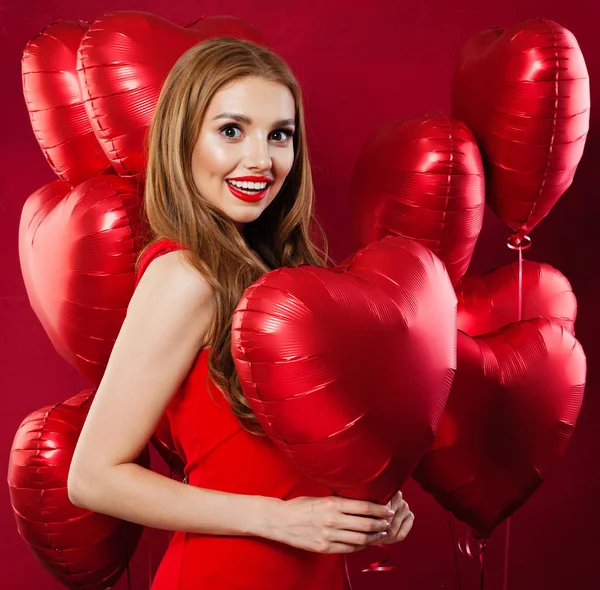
(176, 210)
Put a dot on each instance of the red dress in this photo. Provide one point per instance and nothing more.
(220, 455)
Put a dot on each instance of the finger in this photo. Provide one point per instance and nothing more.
(382, 538)
(395, 521)
(398, 519)
(395, 501)
(405, 527)
(361, 524)
(402, 510)
(396, 531)
(353, 538)
(362, 507)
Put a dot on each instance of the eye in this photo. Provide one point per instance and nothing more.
(282, 135)
(229, 131)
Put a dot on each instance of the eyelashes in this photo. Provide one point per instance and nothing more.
(288, 133)
(226, 131)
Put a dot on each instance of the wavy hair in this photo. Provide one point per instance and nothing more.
(175, 209)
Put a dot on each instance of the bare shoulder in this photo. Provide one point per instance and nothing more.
(173, 274)
(174, 297)
(171, 283)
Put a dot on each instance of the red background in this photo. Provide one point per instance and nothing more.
(359, 66)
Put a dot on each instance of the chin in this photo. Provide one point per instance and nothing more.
(246, 214)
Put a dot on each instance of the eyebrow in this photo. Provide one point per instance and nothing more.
(248, 120)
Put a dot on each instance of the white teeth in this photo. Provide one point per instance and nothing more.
(259, 186)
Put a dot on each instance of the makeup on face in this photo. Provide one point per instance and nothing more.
(244, 150)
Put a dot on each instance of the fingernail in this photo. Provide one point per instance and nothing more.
(391, 512)
(383, 534)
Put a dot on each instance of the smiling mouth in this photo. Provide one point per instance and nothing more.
(248, 194)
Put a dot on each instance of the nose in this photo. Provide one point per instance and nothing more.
(258, 156)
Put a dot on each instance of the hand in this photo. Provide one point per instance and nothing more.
(401, 522)
(329, 524)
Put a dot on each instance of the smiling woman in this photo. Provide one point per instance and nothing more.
(228, 197)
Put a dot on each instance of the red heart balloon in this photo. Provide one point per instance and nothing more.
(78, 250)
(525, 94)
(123, 60)
(79, 548)
(421, 178)
(348, 369)
(55, 105)
(512, 409)
(490, 301)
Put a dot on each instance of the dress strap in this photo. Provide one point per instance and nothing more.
(157, 249)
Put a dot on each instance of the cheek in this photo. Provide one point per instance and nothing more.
(285, 161)
(211, 158)
(218, 157)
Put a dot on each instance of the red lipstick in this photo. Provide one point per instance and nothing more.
(245, 196)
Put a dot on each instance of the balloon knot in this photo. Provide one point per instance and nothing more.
(518, 242)
(472, 545)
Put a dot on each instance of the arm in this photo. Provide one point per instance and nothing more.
(163, 332)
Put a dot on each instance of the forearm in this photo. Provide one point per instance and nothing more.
(133, 493)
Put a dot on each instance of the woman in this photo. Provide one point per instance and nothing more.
(228, 197)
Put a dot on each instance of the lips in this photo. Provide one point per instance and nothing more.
(246, 196)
